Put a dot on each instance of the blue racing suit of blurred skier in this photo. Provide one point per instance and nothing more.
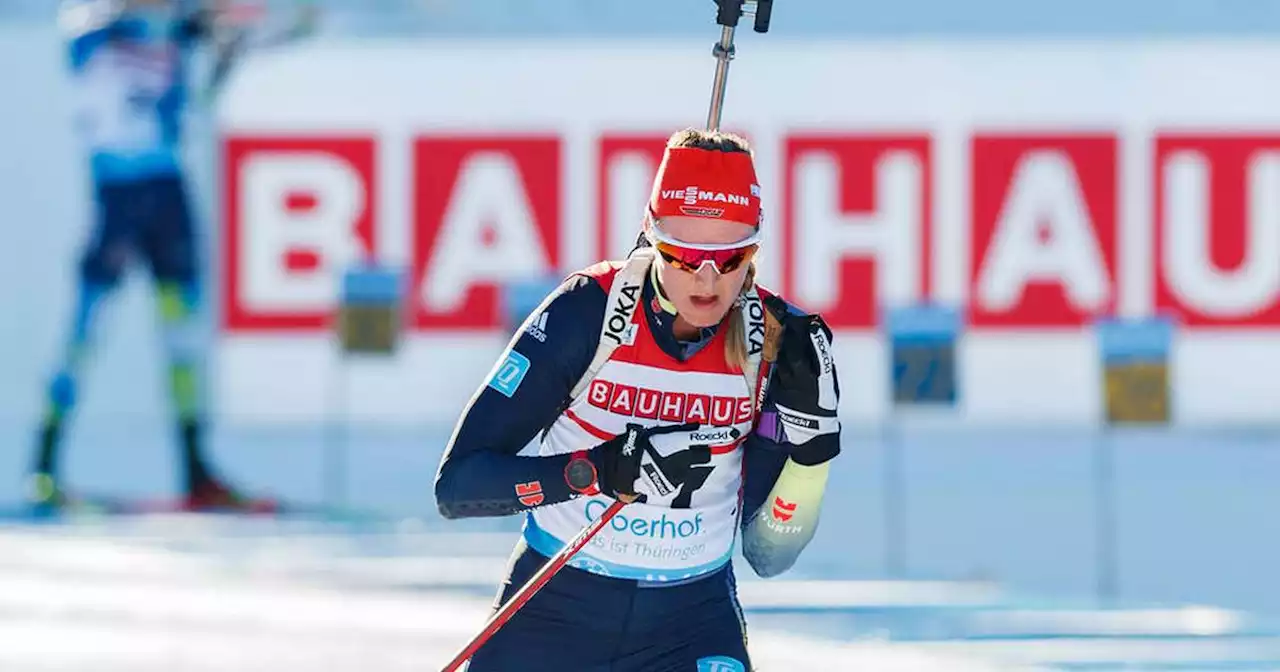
(128, 61)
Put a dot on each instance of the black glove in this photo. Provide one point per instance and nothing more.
(621, 470)
(804, 388)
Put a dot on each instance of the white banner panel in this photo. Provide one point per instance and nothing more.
(1034, 185)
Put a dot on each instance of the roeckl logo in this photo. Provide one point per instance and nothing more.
(714, 436)
(674, 407)
(820, 343)
(798, 420)
(658, 480)
(618, 326)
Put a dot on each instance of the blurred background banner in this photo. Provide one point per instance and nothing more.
(1036, 186)
(1047, 237)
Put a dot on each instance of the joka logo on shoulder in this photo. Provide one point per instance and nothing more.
(510, 373)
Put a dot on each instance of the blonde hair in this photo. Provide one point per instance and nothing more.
(735, 350)
(735, 344)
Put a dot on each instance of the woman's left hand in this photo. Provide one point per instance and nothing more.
(804, 389)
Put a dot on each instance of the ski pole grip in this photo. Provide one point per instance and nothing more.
(764, 12)
(730, 12)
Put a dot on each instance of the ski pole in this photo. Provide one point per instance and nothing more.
(728, 14)
(533, 585)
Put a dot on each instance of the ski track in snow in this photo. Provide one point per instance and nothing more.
(186, 594)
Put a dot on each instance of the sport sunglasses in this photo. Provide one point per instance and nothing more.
(690, 257)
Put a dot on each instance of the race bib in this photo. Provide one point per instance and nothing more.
(120, 91)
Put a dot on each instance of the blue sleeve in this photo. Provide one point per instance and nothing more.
(524, 394)
(82, 46)
(88, 25)
(762, 461)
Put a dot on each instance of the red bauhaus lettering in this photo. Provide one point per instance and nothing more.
(297, 210)
(627, 165)
(699, 409)
(1217, 233)
(599, 393)
(648, 403)
(673, 405)
(623, 401)
(1046, 232)
(486, 212)
(1044, 229)
(722, 410)
(856, 223)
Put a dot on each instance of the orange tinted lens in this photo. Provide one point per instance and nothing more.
(688, 259)
(675, 262)
(742, 256)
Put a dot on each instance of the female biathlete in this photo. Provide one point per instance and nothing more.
(638, 379)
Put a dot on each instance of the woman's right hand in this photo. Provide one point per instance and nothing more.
(613, 467)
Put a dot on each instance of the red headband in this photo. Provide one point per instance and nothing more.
(707, 183)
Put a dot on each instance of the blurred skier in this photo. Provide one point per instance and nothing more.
(638, 380)
(130, 62)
